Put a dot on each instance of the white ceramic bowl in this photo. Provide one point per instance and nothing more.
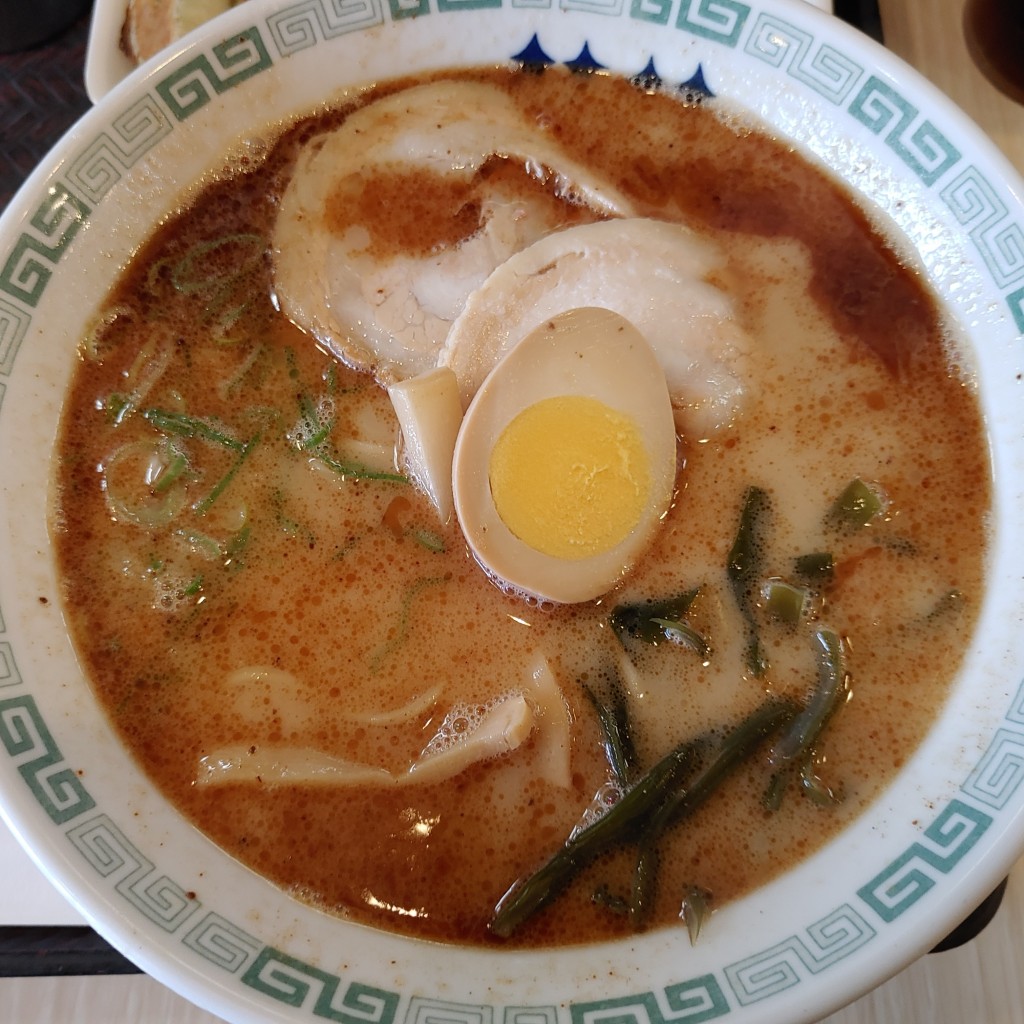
(931, 847)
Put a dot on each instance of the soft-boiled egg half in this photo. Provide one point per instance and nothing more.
(565, 462)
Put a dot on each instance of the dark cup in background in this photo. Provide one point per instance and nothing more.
(994, 31)
(26, 23)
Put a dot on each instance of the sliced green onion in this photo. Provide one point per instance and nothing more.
(117, 406)
(143, 482)
(94, 343)
(156, 271)
(429, 540)
(317, 438)
(193, 272)
(148, 366)
(225, 320)
(237, 545)
(170, 476)
(399, 637)
(203, 506)
(316, 443)
(201, 543)
(232, 384)
(354, 471)
(183, 425)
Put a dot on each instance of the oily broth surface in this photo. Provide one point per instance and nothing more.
(334, 586)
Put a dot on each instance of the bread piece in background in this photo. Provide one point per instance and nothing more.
(150, 25)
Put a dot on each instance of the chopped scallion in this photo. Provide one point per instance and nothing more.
(171, 474)
(354, 471)
(183, 425)
(429, 540)
(201, 543)
(203, 506)
(204, 269)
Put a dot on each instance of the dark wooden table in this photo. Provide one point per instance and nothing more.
(42, 93)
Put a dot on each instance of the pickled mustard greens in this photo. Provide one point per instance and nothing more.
(281, 624)
(686, 776)
(671, 790)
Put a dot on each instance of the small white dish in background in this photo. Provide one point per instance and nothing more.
(105, 62)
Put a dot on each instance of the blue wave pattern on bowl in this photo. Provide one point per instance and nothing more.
(65, 206)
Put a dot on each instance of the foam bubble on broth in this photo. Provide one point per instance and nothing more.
(460, 723)
(319, 583)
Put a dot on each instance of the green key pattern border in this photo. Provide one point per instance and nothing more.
(67, 202)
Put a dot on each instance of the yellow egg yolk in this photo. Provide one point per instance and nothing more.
(570, 476)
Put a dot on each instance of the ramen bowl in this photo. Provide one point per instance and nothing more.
(928, 850)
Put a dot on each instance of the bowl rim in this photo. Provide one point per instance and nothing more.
(816, 45)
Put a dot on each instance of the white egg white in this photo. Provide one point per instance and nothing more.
(589, 352)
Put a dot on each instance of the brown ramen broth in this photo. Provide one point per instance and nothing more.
(233, 580)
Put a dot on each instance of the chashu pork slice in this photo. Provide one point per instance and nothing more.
(346, 283)
(661, 276)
